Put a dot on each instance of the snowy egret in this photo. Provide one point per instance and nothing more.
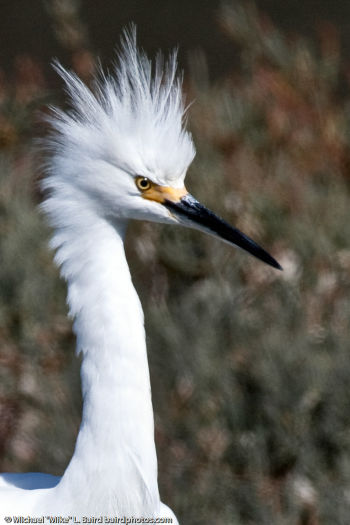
(121, 153)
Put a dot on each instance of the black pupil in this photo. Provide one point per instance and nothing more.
(144, 183)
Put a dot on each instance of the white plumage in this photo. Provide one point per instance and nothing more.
(119, 154)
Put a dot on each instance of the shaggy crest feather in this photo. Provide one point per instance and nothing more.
(133, 120)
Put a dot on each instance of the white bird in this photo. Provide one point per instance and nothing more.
(121, 153)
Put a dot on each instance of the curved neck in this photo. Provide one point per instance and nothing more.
(114, 465)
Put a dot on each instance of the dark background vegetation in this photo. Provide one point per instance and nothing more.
(250, 367)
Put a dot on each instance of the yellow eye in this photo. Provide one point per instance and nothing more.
(143, 183)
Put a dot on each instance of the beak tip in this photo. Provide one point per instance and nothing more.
(278, 266)
(268, 259)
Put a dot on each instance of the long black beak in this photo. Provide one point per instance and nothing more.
(193, 213)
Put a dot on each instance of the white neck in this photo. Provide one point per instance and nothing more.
(114, 466)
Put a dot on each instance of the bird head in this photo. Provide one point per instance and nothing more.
(123, 149)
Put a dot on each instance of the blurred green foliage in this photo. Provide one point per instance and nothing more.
(250, 367)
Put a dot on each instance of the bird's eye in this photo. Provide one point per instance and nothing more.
(143, 183)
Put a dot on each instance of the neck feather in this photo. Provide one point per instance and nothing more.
(114, 465)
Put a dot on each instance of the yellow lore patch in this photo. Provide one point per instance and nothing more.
(164, 193)
(154, 192)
